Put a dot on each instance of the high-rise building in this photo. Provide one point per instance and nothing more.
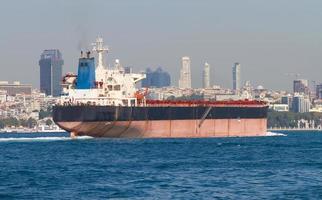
(301, 86)
(206, 76)
(287, 100)
(319, 91)
(236, 77)
(312, 88)
(128, 70)
(185, 73)
(51, 63)
(301, 104)
(158, 78)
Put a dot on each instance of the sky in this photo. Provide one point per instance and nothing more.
(271, 39)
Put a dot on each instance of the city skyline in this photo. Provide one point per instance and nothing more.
(279, 40)
(151, 99)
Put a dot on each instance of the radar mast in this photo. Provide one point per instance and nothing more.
(100, 49)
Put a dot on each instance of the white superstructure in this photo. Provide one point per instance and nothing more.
(113, 85)
(185, 73)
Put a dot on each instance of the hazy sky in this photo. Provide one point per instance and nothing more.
(269, 38)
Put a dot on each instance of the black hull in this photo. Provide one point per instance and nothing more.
(113, 113)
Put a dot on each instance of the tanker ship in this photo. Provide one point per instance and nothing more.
(104, 102)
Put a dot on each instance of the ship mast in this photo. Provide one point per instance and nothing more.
(99, 49)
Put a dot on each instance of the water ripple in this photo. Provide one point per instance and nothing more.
(220, 168)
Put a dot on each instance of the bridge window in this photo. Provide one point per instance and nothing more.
(125, 102)
(117, 87)
(132, 102)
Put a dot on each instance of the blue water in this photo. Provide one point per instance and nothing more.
(56, 167)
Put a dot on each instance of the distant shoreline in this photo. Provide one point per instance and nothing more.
(32, 132)
(293, 129)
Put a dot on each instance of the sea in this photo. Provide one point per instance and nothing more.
(284, 165)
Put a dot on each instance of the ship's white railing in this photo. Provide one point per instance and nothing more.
(100, 101)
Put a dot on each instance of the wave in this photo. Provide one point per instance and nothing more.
(275, 134)
(39, 139)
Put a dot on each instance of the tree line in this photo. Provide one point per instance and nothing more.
(290, 119)
(30, 123)
(12, 121)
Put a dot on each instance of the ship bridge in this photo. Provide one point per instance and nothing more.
(99, 85)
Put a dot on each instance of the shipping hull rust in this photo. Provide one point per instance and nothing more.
(169, 128)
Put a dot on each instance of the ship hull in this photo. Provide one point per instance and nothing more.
(162, 122)
(169, 128)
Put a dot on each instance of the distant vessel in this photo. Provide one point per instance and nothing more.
(103, 102)
(48, 129)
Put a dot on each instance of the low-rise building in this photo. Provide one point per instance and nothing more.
(279, 107)
(15, 88)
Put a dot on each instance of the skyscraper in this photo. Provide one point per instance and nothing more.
(185, 73)
(318, 91)
(51, 63)
(301, 104)
(158, 78)
(301, 86)
(206, 76)
(236, 77)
